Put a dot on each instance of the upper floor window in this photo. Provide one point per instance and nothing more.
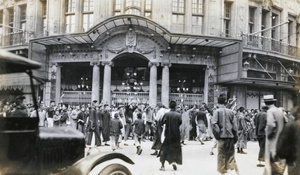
(197, 7)
(1, 27)
(227, 18)
(251, 19)
(70, 6)
(274, 23)
(178, 6)
(70, 16)
(148, 8)
(133, 7)
(11, 24)
(292, 32)
(117, 7)
(264, 21)
(197, 16)
(44, 17)
(88, 16)
(178, 11)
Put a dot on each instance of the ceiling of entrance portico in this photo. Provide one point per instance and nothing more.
(132, 20)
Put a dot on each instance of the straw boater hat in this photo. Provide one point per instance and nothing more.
(269, 98)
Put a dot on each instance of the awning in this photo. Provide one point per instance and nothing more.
(132, 20)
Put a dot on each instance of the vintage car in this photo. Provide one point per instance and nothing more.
(26, 148)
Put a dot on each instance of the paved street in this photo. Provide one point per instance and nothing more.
(196, 160)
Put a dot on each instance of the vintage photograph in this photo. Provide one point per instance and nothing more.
(149, 87)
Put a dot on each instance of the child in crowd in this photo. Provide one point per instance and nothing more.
(115, 130)
(138, 132)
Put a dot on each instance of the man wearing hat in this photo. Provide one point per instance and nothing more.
(275, 124)
(20, 110)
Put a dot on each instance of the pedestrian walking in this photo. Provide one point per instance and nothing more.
(129, 119)
(106, 123)
(158, 127)
(243, 130)
(275, 124)
(201, 123)
(185, 126)
(260, 125)
(171, 148)
(115, 131)
(224, 129)
(139, 128)
(149, 119)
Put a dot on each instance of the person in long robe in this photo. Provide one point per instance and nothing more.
(193, 131)
(185, 126)
(99, 123)
(106, 118)
(171, 148)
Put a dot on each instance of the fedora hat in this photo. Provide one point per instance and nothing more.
(269, 98)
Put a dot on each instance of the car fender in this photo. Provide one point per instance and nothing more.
(86, 164)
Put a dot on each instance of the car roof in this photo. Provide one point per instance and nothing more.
(12, 63)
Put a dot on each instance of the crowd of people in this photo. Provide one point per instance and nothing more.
(170, 128)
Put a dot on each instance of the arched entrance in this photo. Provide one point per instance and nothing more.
(130, 79)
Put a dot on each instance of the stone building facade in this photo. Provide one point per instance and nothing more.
(189, 51)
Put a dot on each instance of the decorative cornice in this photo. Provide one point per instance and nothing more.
(166, 64)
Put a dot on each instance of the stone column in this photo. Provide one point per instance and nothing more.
(153, 83)
(107, 83)
(165, 84)
(205, 98)
(96, 81)
(58, 84)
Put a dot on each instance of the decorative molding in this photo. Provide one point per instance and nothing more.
(92, 63)
(116, 46)
(145, 47)
(166, 64)
(150, 64)
(109, 63)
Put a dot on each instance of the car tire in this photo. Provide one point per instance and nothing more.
(115, 169)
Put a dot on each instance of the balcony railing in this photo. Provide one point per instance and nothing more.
(187, 98)
(269, 44)
(123, 98)
(77, 97)
(13, 39)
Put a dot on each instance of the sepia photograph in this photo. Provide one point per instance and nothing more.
(149, 87)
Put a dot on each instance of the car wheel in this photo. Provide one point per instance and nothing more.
(115, 169)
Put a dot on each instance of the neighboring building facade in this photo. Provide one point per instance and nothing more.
(189, 51)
